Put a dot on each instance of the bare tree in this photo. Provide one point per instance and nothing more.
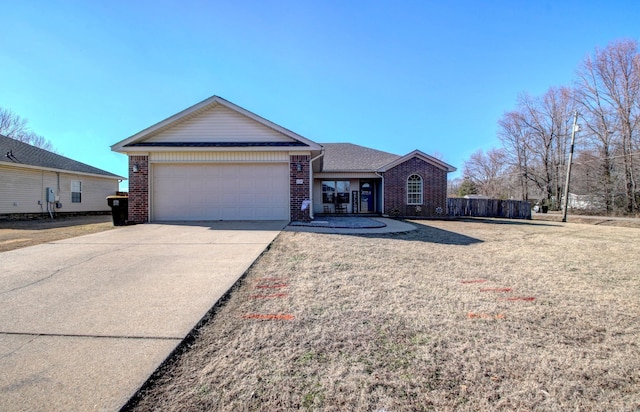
(535, 138)
(487, 171)
(514, 135)
(609, 84)
(16, 127)
(547, 119)
(600, 124)
(453, 186)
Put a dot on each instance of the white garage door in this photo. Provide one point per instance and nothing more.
(220, 192)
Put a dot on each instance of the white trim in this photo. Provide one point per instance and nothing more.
(141, 151)
(421, 192)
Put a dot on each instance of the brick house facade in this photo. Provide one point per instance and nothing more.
(218, 161)
(434, 192)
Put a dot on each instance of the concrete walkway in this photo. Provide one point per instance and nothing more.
(337, 226)
(85, 321)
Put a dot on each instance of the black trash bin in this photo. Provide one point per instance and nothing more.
(119, 209)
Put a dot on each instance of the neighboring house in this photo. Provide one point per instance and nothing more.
(585, 202)
(35, 181)
(218, 161)
(476, 197)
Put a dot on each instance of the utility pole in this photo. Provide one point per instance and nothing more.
(566, 184)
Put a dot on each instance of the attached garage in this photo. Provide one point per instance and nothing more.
(218, 161)
(220, 191)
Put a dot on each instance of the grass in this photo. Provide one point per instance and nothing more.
(393, 323)
(19, 234)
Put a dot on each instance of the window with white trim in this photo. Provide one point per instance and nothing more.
(76, 191)
(414, 190)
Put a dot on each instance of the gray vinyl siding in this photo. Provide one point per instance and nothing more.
(22, 188)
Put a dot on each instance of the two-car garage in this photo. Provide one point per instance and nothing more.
(218, 161)
(214, 191)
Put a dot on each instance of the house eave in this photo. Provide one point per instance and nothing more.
(364, 174)
(142, 150)
(349, 171)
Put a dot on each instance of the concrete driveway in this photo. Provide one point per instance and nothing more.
(85, 321)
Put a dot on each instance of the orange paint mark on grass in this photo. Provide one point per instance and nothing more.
(465, 282)
(472, 315)
(278, 286)
(275, 295)
(496, 290)
(269, 316)
(525, 298)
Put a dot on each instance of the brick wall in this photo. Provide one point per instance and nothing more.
(299, 192)
(139, 189)
(434, 185)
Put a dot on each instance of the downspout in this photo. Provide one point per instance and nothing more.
(41, 201)
(382, 190)
(311, 182)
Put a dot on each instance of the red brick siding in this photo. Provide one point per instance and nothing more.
(434, 185)
(139, 189)
(299, 192)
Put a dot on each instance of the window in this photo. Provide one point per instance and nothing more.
(414, 190)
(328, 191)
(76, 191)
(342, 191)
(335, 192)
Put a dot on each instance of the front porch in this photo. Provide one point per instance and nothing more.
(341, 196)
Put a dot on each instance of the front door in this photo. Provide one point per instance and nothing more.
(366, 197)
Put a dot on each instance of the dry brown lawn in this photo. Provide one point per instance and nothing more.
(459, 315)
(18, 234)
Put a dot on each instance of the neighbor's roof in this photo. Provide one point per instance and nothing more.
(352, 157)
(21, 154)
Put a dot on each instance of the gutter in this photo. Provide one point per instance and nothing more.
(311, 182)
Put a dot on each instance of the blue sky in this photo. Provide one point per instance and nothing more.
(392, 75)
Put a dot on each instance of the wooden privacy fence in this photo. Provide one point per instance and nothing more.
(511, 209)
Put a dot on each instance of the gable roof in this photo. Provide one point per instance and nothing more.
(352, 157)
(138, 140)
(420, 155)
(17, 153)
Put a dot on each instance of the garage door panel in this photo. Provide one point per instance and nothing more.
(214, 192)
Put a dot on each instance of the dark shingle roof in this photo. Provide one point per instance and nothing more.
(351, 157)
(19, 153)
(215, 144)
